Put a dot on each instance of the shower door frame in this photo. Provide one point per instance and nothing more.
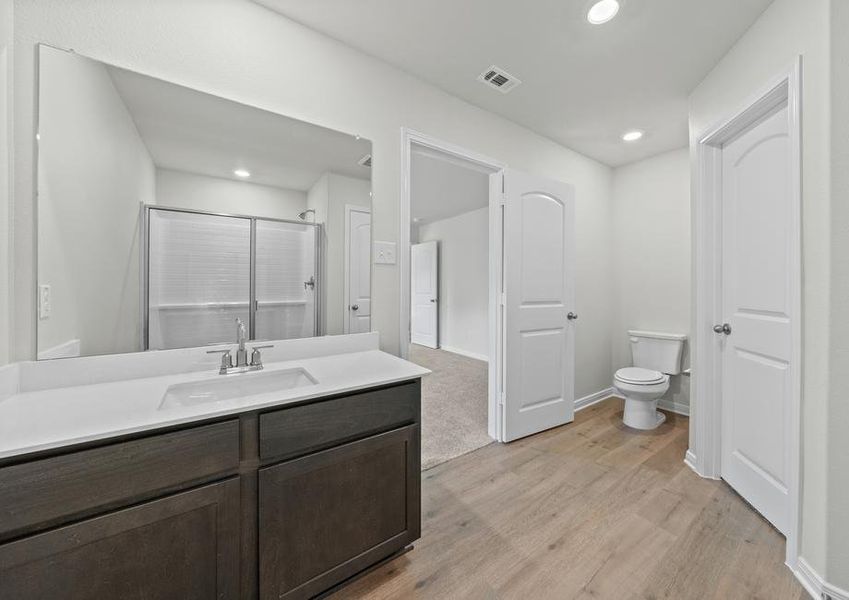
(252, 301)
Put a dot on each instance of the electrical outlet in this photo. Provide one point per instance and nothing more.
(44, 302)
(384, 253)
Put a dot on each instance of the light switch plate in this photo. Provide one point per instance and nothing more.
(384, 253)
(44, 302)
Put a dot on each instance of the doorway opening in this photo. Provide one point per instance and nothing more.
(449, 289)
(529, 281)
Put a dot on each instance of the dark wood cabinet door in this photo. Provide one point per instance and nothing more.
(327, 516)
(184, 546)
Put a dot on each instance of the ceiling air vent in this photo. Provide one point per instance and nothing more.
(365, 161)
(499, 79)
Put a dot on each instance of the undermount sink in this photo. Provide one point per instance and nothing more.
(237, 385)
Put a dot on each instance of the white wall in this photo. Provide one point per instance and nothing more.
(93, 173)
(179, 189)
(5, 183)
(786, 29)
(463, 280)
(275, 64)
(651, 254)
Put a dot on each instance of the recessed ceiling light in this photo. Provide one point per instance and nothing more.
(242, 173)
(632, 136)
(602, 11)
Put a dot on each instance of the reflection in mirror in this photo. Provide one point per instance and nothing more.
(164, 214)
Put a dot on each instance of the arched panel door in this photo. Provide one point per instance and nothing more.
(539, 295)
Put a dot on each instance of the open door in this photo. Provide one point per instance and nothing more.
(756, 337)
(424, 313)
(538, 304)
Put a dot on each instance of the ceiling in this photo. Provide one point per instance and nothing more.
(442, 186)
(187, 130)
(583, 85)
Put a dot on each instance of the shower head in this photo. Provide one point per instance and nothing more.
(303, 216)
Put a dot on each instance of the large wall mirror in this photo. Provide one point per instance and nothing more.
(165, 214)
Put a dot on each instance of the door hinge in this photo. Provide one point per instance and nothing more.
(501, 398)
(502, 299)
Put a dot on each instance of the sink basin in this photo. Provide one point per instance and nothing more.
(237, 385)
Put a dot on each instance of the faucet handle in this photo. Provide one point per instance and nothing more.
(256, 355)
(226, 360)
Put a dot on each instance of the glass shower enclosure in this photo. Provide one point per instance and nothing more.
(203, 270)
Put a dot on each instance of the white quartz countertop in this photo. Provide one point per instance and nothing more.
(33, 421)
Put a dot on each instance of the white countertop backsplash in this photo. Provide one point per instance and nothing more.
(50, 404)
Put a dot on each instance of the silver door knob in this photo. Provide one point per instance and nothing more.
(355, 307)
(724, 328)
(571, 316)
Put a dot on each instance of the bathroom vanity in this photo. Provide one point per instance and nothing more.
(240, 498)
(157, 460)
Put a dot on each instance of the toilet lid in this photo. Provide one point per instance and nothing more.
(639, 376)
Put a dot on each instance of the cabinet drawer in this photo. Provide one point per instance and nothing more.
(310, 427)
(50, 491)
(327, 516)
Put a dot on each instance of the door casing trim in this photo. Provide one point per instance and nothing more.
(409, 138)
(705, 452)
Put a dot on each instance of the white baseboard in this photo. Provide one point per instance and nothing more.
(690, 461)
(595, 398)
(676, 407)
(465, 353)
(815, 585)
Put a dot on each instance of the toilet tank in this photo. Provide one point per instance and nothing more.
(657, 351)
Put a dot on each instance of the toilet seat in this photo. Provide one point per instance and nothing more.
(639, 376)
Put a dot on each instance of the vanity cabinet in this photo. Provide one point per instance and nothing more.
(287, 502)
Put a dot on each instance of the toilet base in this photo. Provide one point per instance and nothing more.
(642, 414)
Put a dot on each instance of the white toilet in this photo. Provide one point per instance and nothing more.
(656, 356)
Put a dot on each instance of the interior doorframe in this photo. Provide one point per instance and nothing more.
(705, 453)
(346, 257)
(410, 137)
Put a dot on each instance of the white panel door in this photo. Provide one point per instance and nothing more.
(539, 288)
(424, 261)
(756, 299)
(358, 259)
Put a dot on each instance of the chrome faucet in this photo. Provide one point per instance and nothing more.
(242, 363)
(241, 335)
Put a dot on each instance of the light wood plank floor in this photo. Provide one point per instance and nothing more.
(589, 510)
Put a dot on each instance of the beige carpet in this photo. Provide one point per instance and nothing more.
(454, 405)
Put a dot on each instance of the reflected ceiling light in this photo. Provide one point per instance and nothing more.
(632, 136)
(242, 173)
(602, 11)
